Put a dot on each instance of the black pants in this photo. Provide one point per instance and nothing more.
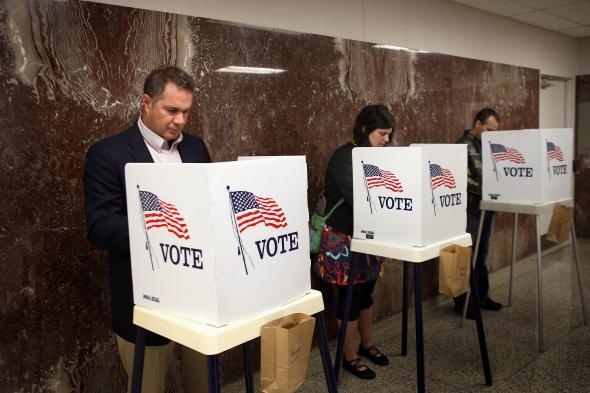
(480, 269)
(362, 298)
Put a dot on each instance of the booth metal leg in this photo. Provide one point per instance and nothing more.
(321, 337)
(578, 271)
(473, 262)
(344, 322)
(138, 356)
(483, 348)
(405, 310)
(248, 377)
(419, 327)
(514, 231)
(539, 283)
(213, 371)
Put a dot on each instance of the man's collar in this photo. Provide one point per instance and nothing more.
(154, 140)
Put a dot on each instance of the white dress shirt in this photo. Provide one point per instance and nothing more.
(158, 146)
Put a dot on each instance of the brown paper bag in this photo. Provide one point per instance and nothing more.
(285, 346)
(453, 276)
(559, 228)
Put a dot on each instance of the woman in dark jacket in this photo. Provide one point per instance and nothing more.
(373, 127)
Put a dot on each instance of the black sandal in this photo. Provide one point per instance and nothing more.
(358, 369)
(374, 355)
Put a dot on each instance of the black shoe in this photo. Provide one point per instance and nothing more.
(358, 369)
(490, 305)
(374, 355)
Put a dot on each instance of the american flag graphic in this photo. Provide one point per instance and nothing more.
(441, 177)
(502, 153)
(554, 152)
(377, 177)
(251, 210)
(160, 214)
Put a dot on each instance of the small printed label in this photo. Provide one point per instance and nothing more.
(151, 298)
(494, 196)
(368, 234)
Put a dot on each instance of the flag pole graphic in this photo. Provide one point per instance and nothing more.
(148, 245)
(494, 161)
(236, 231)
(367, 189)
(547, 148)
(431, 189)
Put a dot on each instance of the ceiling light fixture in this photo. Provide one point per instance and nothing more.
(394, 47)
(250, 70)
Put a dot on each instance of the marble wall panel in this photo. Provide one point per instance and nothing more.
(72, 73)
(582, 163)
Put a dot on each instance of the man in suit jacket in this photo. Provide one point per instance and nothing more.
(155, 137)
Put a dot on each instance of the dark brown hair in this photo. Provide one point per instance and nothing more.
(369, 119)
(484, 114)
(156, 80)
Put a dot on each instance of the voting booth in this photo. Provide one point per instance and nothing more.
(221, 241)
(527, 166)
(410, 195)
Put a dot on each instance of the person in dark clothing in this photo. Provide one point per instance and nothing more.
(373, 127)
(486, 120)
(155, 137)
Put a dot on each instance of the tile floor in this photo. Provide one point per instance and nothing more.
(452, 354)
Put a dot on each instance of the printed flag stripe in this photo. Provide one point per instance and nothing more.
(157, 218)
(173, 221)
(555, 156)
(258, 218)
(441, 177)
(554, 152)
(262, 220)
(377, 177)
(180, 235)
(160, 214)
(248, 217)
(251, 210)
(173, 214)
(505, 153)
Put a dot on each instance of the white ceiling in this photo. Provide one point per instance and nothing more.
(571, 17)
